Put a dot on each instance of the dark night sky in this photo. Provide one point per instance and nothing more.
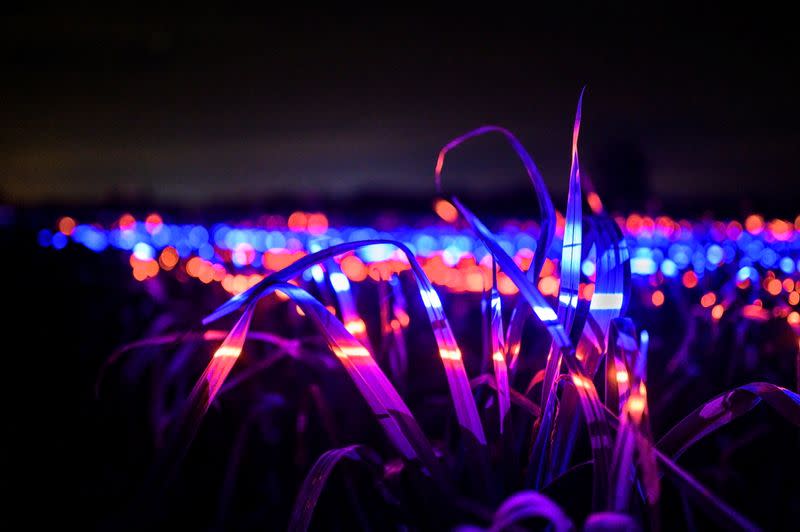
(201, 108)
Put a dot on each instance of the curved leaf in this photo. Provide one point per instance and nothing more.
(547, 220)
(317, 477)
(449, 352)
(723, 409)
(716, 508)
(390, 409)
(610, 522)
(547, 213)
(529, 505)
(212, 335)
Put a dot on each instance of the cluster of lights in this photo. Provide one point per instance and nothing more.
(720, 263)
(703, 257)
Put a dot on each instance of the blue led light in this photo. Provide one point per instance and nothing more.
(643, 266)
(714, 254)
(259, 240)
(768, 257)
(127, 239)
(275, 239)
(294, 244)
(669, 268)
(184, 249)
(754, 249)
(588, 268)
(363, 233)
(206, 251)
(198, 235)
(462, 242)
(425, 245)
(449, 257)
(95, 240)
(679, 254)
(242, 255)
(234, 237)
(161, 236)
(744, 273)
(525, 240)
(44, 238)
(220, 232)
(59, 241)
(728, 252)
(143, 251)
(376, 253)
(698, 261)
